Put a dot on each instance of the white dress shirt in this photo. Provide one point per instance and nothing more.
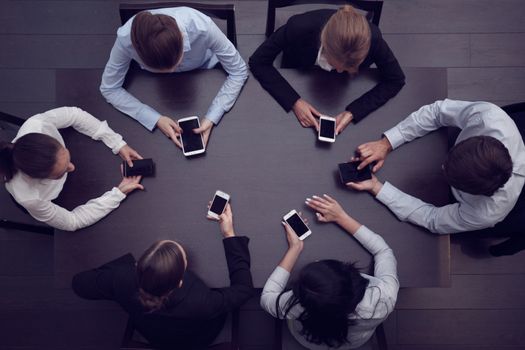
(204, 46)
(471, 212)
(377, 303)
(36, 195)
(322, 62)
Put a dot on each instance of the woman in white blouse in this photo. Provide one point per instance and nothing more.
(35, 164)
(332, 305)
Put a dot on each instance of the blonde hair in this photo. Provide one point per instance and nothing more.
(346, 38)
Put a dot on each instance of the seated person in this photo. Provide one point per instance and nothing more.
(168, 303)
(331, 304)
(172, 40)
(342, 40)
(35, 166)
(485, 169)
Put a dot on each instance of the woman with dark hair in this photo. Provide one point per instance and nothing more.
(34, 167)
(168, 303)
(341, 40)
(332, 305)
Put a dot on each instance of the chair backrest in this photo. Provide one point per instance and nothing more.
(373, 9)
(517, 112)
(221, 11)
(13, 216)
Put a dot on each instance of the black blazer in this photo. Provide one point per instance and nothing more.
(299, 40)
(194, 314)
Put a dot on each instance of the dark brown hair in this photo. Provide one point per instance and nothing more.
(35, 154)
(346, 38)
(479, 165)
(157, 39)
(159, 271)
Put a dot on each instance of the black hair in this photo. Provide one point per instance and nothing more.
(35, 154)
(329, 291)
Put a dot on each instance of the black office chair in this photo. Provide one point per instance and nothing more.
(285, 341)
(372, 8)
(222, 11)
(517, 112)
(130, 341)
(12, 215)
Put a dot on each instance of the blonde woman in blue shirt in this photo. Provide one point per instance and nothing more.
(166, 41)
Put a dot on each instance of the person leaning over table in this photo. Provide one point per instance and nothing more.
(167, 302)
(331, 305)
(485, 169)
(172, 40)
(342, 40)
(35, 165)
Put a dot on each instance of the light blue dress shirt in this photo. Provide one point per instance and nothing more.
(204, 46)
(471, 212)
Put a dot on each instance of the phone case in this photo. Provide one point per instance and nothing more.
(141, 167)
(349, 173)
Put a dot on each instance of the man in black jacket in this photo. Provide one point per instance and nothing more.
(189, 315)
(302, 44)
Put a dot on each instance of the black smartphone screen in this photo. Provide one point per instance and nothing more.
(190, 140)
(218, 204)
(327, 128)
(297, 224)
(349, 172)
(141, 167)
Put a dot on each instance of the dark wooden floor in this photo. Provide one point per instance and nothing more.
(481, 42)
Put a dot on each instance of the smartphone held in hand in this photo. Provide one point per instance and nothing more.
(141, 167)
(218, 204)
(326, 129)
(349, 172)
(297, 224)
(192, 143)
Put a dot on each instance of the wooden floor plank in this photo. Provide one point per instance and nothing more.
(486, 84)
(55, 51)
(27, 257)
(59, 17)
(27, 85)
(497, 50)
(430, 50)
(461, 327)
(469, 256)
(468, 292)
(452, 16)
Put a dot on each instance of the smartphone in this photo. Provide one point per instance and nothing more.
(218, 204)
(326, 129)
(297, 224)
(141, 167)
(191, 143)
(349, 172)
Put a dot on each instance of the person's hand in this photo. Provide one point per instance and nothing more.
(130, 183)
(306, 114)
(342, 120)
(373, 185)
(294, 243)
(204, 130)
(327, 209)
(375, 151)
(171, 129)
(129, 155)
(225, 221)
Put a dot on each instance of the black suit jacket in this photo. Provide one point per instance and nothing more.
(299, 40)
(194, 314)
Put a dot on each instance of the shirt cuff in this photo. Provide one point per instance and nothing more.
(148, 117)
(395, 137)
(280, 275)
(215, 114)
(363, 234)
(387, 194)
(118, 194)
(119, 146)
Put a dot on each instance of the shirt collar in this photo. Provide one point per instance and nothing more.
(322, 62)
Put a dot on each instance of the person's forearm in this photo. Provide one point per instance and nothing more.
(349, 224)
(290, 258)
